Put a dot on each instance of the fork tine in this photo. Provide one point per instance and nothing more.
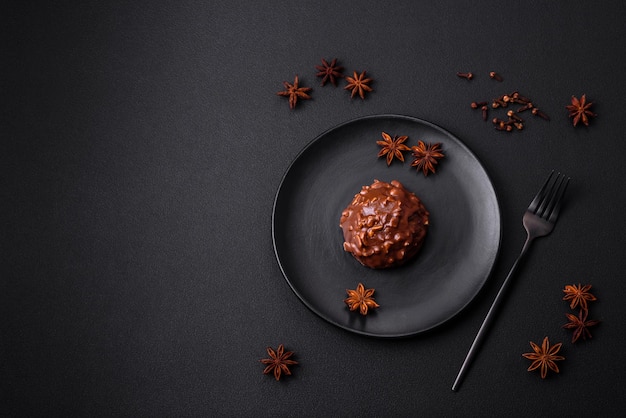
(556, 205)
(540, 195)
(542, 210)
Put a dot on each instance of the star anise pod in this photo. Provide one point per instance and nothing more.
(361, 299)
(358, 84)
(329, 72)
(426, 156)
(579, 110)
(580, 325)
(393, 147)
(295, 92)
(578, 295)
(544, 357)
(279, 362)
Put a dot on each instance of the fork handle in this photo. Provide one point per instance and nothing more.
(482, 332)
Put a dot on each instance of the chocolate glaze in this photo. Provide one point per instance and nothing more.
(384, 225)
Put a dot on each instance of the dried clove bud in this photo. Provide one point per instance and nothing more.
(504, 127)
(468, 76)
(524, 108)
(485, 111)
(495, 76)
(513, 116)
(539, 113)
(476, 105)
(517, 98)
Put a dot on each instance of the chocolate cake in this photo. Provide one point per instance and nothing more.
(384, 225)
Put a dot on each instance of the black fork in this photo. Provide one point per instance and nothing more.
(538, 220)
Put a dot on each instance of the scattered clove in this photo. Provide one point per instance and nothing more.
(539, 113)
(514, 121)
(513, 116)
(517, 98)
(476, 105)
(495, 76)
(524, 108)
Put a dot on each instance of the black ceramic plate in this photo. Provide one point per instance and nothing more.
(458, 253)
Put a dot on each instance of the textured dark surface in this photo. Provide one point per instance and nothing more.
(142, 144)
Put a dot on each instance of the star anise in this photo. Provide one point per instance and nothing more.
(329, 72)
(278, 362)
(579, 110)
(544, 357)
(578, 295)
(358, 84)
(426, 156)
(361, 299)
(393, 147)
(580, 325)
(295, 92)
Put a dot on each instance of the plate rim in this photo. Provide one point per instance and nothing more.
(413, 119)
